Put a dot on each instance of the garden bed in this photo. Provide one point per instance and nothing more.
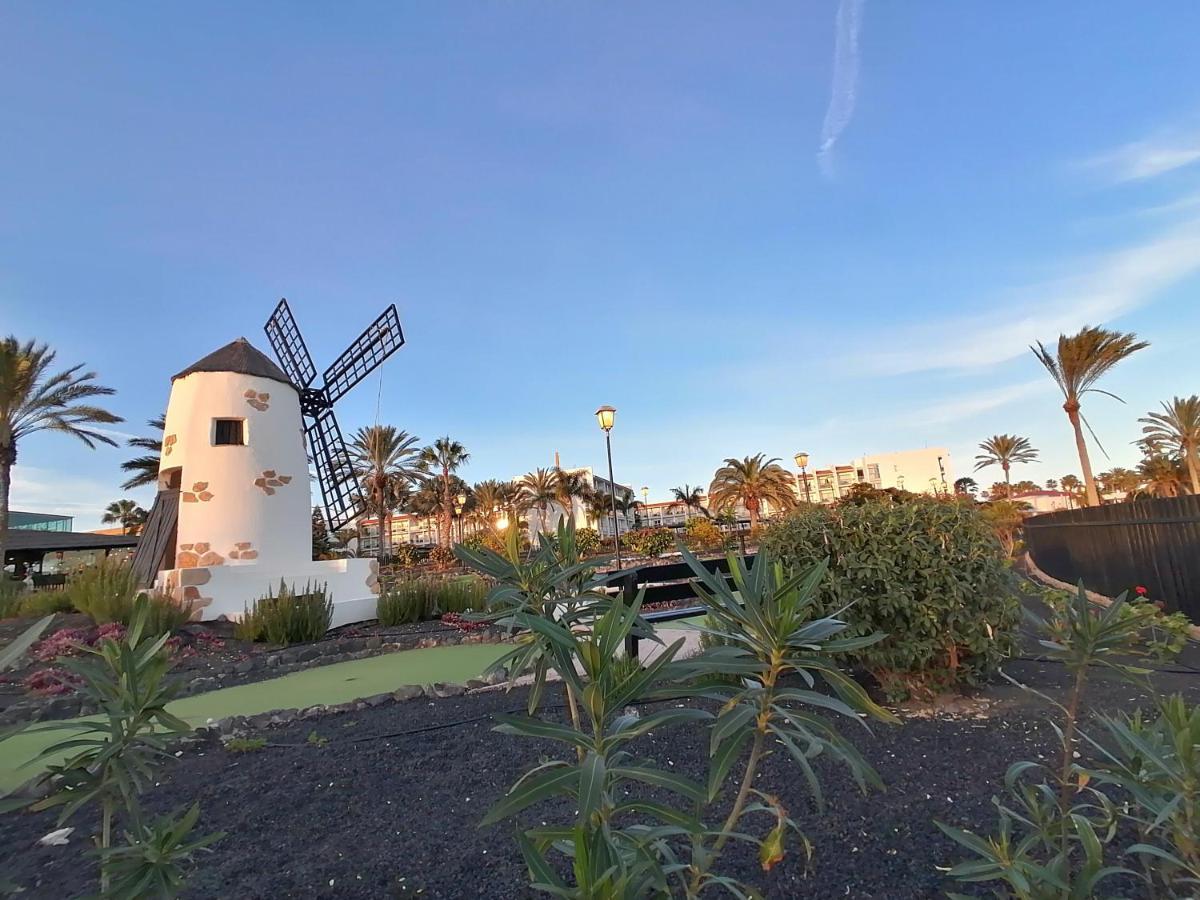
(208, 657)
(390, 806)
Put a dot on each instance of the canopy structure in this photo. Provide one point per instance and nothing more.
(28, 548)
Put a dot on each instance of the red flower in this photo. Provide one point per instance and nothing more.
(1140, 591)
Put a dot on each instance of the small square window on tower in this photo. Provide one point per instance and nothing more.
(229, 431)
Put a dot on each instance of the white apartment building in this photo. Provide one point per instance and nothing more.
(926, 471)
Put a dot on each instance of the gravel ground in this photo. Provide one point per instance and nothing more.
(374, 816)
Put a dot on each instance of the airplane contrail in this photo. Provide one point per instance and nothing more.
(845, 81)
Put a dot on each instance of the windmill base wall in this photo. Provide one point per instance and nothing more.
(228, 591)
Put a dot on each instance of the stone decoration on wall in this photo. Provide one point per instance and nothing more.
(169, 444)
(258, 400)
(269, 480)
(198, 494)
(183, 586)
(191, 556)
(243, 550)
(373, 577)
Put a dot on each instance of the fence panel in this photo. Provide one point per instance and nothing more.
(1154, 543)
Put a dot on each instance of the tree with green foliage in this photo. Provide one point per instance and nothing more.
(385, 461)
(127, 514)
(966, 486)
(539, 490)
(33, 399)
(1177, 428)
(441, 459)
(143, 470)
(751, 482)
(1161, 476)
(1004, 450)
(691, 498)
(1076, 365)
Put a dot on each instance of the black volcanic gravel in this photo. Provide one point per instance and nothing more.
(397, 817)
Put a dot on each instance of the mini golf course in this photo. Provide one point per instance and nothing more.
(324, 685)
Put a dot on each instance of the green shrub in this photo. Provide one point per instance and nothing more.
(287, 617)
(11, 593)
(649, 541)
(441, 558)
(417, 599)
(588, 541)
(105, 591)
(930, 575)
(164, 615)
(703, 534)
(245, 745)
(45, 603)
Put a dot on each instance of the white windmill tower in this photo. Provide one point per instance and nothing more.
(233, 513)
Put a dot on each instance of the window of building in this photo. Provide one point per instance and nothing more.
(229, 432)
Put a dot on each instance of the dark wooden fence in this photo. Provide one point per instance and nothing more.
(1153, 543)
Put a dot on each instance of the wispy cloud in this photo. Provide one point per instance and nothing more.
(845, 81)
(1148, 158)
(1106, 287)
(47, 490)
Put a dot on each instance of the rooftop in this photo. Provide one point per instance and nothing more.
(238, 356)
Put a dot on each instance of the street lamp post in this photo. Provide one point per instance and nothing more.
(802, 462)
(645, 504)
(606, 415)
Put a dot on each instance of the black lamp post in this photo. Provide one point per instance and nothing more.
(606, 415)
(802, 462)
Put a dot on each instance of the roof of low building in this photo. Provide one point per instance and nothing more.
(238, 356)
(48, 541)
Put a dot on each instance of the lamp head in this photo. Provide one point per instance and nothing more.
(801, 459)
(606, 415)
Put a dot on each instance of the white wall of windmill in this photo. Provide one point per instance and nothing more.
(240, 504)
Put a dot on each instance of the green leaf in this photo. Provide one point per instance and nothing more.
(658, 778)
(561, 779)
(526, 726)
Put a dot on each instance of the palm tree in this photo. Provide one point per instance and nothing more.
(539, 489)
(597, 505)
(1177, 427)
(568, 486)
(443, 458)
(752, 481)
(691, 498)
(1082, 360)
(1052, 484)
(144, 469)
(966, 486)
(1072, 486)
(1118, 480)
(426, 502)
(491, 498)
(1003, 450)
(385, 464)
(32, 400)
(1161, 476)
(130, 516)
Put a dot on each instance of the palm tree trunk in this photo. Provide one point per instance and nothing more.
(1193, 463)
(446, 516)
(6, 461)
(1007, 481)
(1089, 480)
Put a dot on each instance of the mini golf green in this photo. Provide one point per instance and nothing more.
(326, 685)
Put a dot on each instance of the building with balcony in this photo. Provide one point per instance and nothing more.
(926, 471)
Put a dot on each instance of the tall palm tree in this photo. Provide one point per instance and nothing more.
(1052, 484)
(33, 399)
(691, 498)
(1118, 480)
(1177, 427)
(539, 489)
(1003, 450)
(1161, 476)
(385, 463)
(568, 487)
(144, 469)
(1081, 360)
(597, 505)
(126, 512)
(1072, 486)
(491, 499)
(752, 481)
(426, 502)
(443, 458)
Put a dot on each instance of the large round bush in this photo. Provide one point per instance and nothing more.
(930, 574)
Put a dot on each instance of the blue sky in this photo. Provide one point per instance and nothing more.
(763, 227)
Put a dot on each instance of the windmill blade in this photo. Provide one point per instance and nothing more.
(289, 346)
(382, 338)
(335, 473)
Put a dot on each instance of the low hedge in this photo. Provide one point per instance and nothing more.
(930, 574)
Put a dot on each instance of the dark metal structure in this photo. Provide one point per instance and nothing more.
(382, 338)
(158, 537)
(1115, 548)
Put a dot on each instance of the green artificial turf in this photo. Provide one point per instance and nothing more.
(327, 685)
